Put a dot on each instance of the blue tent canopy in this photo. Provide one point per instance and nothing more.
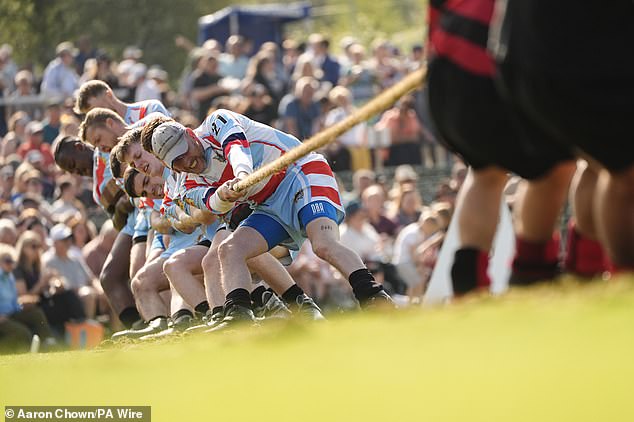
(259, 23)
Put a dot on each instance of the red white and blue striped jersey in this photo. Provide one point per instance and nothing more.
(459, 31)
(101, 177)
(234, 143)
(137, 111)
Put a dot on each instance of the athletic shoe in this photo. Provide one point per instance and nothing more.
(273, 307)
(235, 316)
(378, 300)
(155, 326)
(210, 320)
(308, 309)
(530, 274)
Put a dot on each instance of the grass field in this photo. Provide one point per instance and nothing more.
(562, 353)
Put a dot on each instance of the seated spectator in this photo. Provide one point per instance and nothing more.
(233, 63)
(60, 78)
(8, 232)
(258, 105)
(302, 111)
(361, 180)
(404, 257)
(261, 71)
(17, 325)
(82, 234)
(67, 203)
(406, 133)
(360, 78)
(96, 251)
(7, 178)
(52, 122)
(374, 203)
(34, 133)
(24, 88)
(206, 84)
(349, 150)
(408, 206)
(17, 133)
(358, 235)
(329, 66)
(75, 275)
(36, 286)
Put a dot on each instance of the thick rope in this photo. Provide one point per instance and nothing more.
(380, 103)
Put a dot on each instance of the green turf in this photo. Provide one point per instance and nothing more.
(548, 354)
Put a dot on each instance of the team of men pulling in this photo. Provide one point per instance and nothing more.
(189, 245)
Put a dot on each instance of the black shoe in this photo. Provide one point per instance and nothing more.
(210, 320)
(182, 323)
(155, 326)
(530, 274)
(308, 309)
(273, 307)
(235, 316)
(379, 300)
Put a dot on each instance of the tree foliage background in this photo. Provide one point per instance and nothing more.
(35, 27)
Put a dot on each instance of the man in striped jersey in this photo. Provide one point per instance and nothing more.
(298, 203)
(185, 261)
(95, 93)
(76, 157)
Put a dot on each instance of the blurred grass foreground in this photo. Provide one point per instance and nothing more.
(556, 353)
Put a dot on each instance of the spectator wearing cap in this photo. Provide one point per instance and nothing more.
(35, 142)
(38, 287)
(60, 78)
(23, 89)
(17, 324)
(75, 275)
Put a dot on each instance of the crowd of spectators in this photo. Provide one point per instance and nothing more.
(49, 222)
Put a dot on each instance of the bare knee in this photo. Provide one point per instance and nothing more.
(142, 281)
(228, 249)
(210, 260)
(324, 250)
(173, 266)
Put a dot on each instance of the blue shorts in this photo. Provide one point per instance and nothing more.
(158, 242)
(142, 223)
(179, 241)
(303, 195)
(276, 234)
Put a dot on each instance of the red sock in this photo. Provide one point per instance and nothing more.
(537, 253)
(482, 272)
(584, 256)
